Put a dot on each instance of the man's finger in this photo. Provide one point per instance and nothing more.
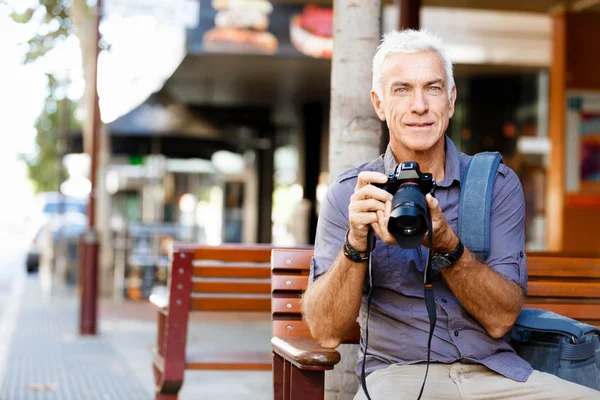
(363, 219)
(367, 177)
(433, 204)
(366, 205)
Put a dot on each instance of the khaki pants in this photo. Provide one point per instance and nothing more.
(467, 382)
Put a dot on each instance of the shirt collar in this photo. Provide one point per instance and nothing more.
(452, 171)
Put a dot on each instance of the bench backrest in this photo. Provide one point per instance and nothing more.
(289, 278)
(229, 277)
(563, 283)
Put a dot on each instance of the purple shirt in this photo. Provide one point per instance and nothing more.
(399, 324)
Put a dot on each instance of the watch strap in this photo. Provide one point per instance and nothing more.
(454, 255)
(353, 254)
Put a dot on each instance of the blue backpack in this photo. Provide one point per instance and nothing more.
(550, 342)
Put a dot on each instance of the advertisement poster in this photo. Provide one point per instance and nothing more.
(589, 156)
(583, 142)
(262, 27)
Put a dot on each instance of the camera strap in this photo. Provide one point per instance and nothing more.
(429, 304)
(429, 299)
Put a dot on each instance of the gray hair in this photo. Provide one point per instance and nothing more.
(410, 41)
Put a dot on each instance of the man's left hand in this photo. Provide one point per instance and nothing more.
(444, 238)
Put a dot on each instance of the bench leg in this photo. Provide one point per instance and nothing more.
(278, 376)
(292, 383)
(165, 390)
(160, 396)
(306, 385)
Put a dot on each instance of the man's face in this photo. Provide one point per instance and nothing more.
(414, 100)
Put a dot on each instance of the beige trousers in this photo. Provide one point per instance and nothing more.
(467, 382)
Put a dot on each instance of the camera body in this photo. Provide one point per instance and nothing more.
(409, 218)
(409, 173)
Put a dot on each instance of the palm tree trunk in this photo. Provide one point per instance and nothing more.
(355, 130)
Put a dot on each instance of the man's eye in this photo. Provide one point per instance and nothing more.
(435, 88)
(400, 90)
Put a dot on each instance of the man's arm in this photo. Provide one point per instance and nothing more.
(494, 301)
(331, 303)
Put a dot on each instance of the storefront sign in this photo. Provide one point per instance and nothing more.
(176, 12)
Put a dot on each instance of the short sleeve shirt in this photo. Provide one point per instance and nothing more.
(398, 322)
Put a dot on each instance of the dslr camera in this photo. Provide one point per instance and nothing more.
(410, 214)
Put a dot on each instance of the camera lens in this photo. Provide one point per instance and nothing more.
(408, 219)
(408, 223)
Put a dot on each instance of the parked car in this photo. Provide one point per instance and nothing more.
(56, 216)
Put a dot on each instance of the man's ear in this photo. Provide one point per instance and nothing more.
(452, 101)
(377, 105)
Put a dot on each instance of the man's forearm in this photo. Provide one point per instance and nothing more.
(331, 304)
(492, 300)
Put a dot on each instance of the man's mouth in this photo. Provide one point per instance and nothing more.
(420, 124)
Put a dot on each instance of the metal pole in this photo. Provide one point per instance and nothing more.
(89, 281)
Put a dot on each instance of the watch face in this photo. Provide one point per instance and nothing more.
(441, 262)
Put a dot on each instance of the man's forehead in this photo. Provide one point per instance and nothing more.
(397, 65)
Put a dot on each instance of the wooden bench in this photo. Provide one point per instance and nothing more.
(208, 278)
(564, 283)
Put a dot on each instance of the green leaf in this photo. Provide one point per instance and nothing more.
(23, 18)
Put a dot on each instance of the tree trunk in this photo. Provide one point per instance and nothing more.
(355, 129)
(85, 21)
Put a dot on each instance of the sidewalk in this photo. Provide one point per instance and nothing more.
(49, 360)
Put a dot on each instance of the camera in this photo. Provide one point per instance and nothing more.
(410, 214)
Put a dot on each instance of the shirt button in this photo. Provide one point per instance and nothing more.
(444, 301)
(455, 333)
(521, 254)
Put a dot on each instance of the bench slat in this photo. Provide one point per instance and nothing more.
(290, 282)
(233, 270)
(239, 253)
(581, 289)
(563, 267)
(231, 285)
(286, 305)
(230, 302)
(292, 259)
(238, 361)
(286, 327)
(581, 310)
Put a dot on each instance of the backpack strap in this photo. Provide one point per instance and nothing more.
(475, 205)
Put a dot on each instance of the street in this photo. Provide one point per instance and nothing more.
(13, 249)
(43, 357)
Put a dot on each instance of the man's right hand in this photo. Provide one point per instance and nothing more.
(366, 201)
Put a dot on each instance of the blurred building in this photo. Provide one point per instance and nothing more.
(235, 144)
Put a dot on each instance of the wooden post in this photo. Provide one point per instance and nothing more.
(89, 282)
(409, 14)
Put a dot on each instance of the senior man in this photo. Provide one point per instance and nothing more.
(477, 301)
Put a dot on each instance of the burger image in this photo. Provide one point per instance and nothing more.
(241, 27)
(311, 32)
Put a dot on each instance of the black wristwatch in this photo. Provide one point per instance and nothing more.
(353, 254)
(446, 260)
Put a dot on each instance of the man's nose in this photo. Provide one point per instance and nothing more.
(419, 102)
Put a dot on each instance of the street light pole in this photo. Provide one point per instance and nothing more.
(91, 245)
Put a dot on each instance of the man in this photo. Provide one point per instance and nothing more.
(477, 301)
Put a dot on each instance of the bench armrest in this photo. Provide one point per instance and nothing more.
(305, 353)
(161, 301)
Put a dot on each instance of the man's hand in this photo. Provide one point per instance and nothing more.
(365, 205)
(444, 238)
